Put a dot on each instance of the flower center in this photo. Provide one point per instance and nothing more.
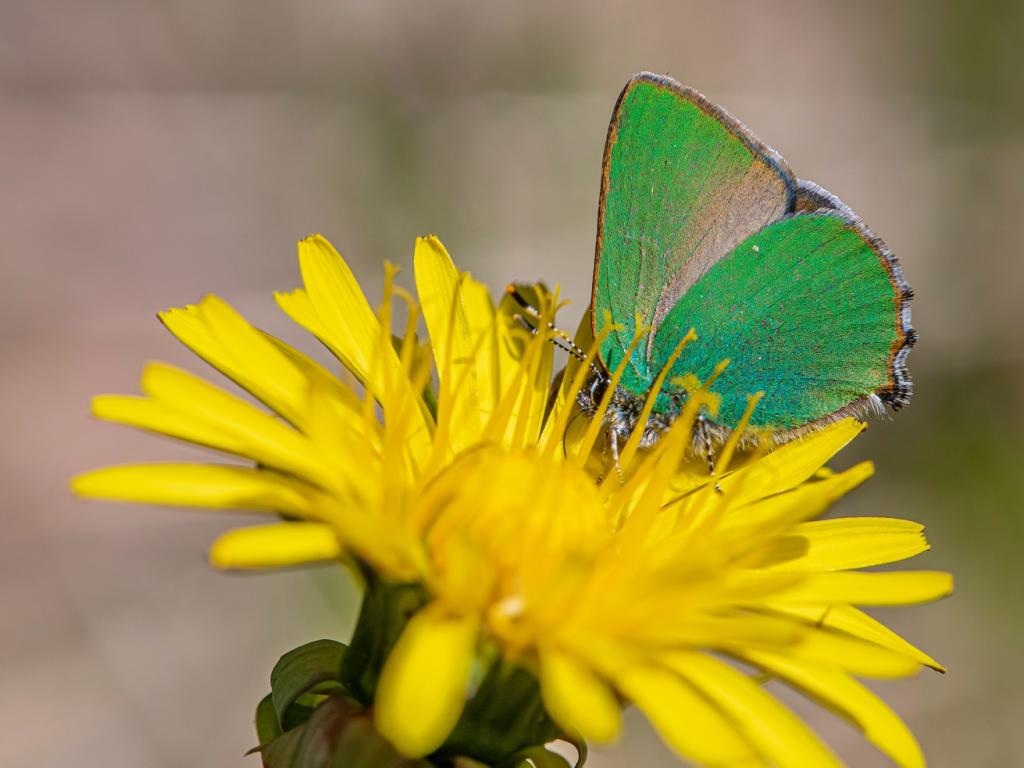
(496, 523)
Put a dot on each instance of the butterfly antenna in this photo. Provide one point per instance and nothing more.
(561, 339)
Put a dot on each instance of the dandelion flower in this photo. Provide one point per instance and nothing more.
(453, 466)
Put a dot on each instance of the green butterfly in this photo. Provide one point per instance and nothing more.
(701, 225)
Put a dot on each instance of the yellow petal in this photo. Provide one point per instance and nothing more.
(297, 305)
(483, 322)
(578, 699)
(422, 687)
(344, 315)
(557, 426)
(511, 345)
(189, 408)
(789, 465)
(275, 546)
(438, 285)
(854, 655)
(144, 413)
(898, 588)
(776, 733)
(198, 485)
(740, 630)
(779, 512)
(222, 337)
(260, 435)
(541, 382)
(736, 634)
(852, 621)
(849, 699)
(334, 309)
(524, 364)
(694, 728)
(858, 542)
(316, 375)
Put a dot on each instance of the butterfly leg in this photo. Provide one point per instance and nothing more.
(604, 456)
(613, 441)
(704, 433)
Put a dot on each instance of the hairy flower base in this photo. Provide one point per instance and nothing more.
(453, 469)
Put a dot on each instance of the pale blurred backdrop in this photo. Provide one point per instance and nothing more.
(154, 151)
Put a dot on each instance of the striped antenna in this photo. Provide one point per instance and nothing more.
(561, 339)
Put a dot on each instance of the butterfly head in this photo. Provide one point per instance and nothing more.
(625, 409)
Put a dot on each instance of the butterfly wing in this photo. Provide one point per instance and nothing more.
(812, 310)
(682, 184)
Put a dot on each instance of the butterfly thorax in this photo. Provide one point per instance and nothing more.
(625, 409)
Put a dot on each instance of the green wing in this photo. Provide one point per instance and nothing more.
(682, 184)
(812, 310)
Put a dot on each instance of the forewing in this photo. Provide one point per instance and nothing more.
(812, 310)
(682, 184)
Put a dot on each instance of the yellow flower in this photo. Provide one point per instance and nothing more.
(651, 584)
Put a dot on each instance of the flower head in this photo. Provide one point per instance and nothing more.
(456, 465)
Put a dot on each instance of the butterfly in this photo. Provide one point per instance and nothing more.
(701, 225)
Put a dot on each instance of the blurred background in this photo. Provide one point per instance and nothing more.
(151, 152)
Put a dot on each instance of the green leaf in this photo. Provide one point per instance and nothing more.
(301, 669)
(267, 725)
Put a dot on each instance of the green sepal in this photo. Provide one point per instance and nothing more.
(504, 717)
(386, 610)
(302, 669)
(340, 734)
(581, 749)
(301, 710)
(539, 757)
